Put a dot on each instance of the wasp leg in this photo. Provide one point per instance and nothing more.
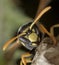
(44, 30)
(52, 28)
(25, 59)
(21, 63)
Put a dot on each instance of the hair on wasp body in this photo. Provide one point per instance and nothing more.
(29, 36)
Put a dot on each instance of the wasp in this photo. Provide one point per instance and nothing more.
(29, 35)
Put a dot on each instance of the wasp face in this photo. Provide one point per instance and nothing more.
(30, 39)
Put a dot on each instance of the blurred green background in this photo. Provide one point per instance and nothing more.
(10, 20)
(12, 17)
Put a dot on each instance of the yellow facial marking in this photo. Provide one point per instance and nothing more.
(34, 44)
(23, 44)
(33, 37)
(26, 37)
(33, 30)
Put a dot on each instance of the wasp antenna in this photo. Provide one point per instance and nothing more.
(40, 15)
(11, 40)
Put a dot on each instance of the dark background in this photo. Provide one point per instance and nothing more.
(50, 18)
